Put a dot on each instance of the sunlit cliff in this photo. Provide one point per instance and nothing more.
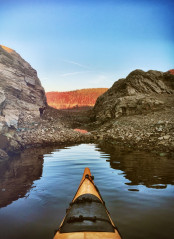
(74, 99)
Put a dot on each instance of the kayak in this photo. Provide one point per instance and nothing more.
(87, 216)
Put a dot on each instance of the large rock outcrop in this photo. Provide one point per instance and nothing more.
(139, 93)
(138, 112)
(25, 118)
(21, 93)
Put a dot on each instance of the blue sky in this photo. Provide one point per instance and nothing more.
(86, 44)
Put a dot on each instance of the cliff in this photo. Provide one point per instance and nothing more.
(171, 71)
(139, 93)
(21, 99)
(138, 111)
(74, 99)
(21, 93)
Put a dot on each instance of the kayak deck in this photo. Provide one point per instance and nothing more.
(87, 235)
(87, 216)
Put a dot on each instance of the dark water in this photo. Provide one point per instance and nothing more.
(37, 186)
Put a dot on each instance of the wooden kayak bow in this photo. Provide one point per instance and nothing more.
(87, 216)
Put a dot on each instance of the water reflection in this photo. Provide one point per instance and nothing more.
(17, 176)
(141, 168)
(19, 172)
(37, 186)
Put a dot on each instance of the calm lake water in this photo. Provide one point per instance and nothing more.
(37, 186)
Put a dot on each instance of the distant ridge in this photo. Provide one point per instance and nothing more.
(171, 71)
(74, 99)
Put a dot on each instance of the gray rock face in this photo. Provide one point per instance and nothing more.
(3, 155)
(21, 93)
(140, 92)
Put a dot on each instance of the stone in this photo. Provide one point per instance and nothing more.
(162, 154)
(160, 122)
(159, 129)
(166, 136)
(3, 155)
(160, 138)
(2, 97)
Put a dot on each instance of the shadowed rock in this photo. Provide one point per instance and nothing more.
(138, 93)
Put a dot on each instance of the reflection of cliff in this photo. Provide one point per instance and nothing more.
(17, 176)
(142, 167)
(19, 172)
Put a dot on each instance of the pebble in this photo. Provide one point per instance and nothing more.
(160, 122)
(166, 137)
(162, 154)
(160, 138)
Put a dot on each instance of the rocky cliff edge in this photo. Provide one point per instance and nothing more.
(139, 93)
(25, 119)
(138, 111)
(21, 93)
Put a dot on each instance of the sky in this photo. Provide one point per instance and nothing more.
(79, 44)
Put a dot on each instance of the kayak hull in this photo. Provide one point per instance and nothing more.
(87, 216)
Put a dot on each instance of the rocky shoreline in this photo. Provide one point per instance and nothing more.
(141, 133)
(152, 132)
(136, 112)
(51, 129)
